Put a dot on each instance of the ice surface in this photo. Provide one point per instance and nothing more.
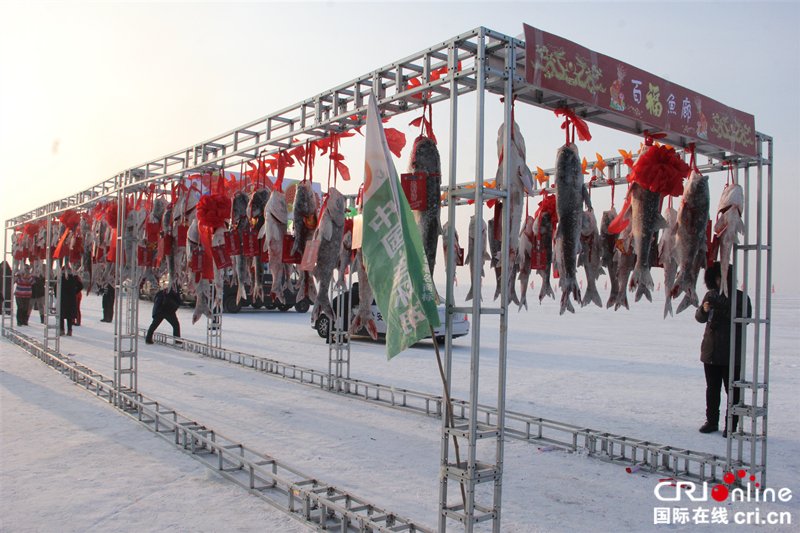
(71, 462)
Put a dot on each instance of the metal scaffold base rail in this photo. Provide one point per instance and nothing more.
(304, 498)
(650, 456)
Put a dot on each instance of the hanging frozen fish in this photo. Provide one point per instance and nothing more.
(543, 226)
(425, 159)
(495, 246)
(329, 234)
(169, 250)
(470, 260)
(608, 244)
(728, 227)
(691, 240)
(571, 194)
(625, 258)
(363, 316)
(201, 288)
(305, 222)
(658, 171)
(255, 210)
(345, 254)
(590, 258)
(239, 222)
(526, 244)
(520, 180)
(667, 256)
(276, 215)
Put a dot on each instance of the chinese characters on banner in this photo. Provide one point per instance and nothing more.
(558, 65)
(393, 256)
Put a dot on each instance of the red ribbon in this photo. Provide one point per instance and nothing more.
(578, 124)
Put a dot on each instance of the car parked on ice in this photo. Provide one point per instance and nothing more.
(323, 323)
(230, 305)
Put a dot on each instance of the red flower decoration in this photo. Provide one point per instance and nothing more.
(213, 210)
(660, 169)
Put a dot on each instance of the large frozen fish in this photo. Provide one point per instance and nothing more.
(329, 233)
(425, 158)
(543, 226)
(608, 245)
(471, 250)
(625, 257)
(171, 252)
(345, 254)
(276, 215)
(494, 250)
(571, 194)
(239, 222)
(520, 179)
(305, 222)
(202, 287)
(255, 210)
(590, 258)
(667, 256)
(691, 241)
(728, 227)
(527, 239)
(363, 316)
(646, 221)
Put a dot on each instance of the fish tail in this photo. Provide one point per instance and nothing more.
(592, 296)
(621, 301)
(469, 294)
(668, 307)
(546, 290)
(685, 303)
(569, 289)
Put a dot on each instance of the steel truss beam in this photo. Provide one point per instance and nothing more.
(344, 107)
(301, 496)
(677, 462)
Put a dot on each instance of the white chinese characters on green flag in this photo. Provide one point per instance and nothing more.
(393, 256)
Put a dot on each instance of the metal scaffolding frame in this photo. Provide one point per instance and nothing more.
(482, 61)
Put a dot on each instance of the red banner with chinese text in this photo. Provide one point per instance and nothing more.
(561, 66)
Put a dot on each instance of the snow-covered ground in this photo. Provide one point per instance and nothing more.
(71, 462)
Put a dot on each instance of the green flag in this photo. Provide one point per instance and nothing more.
(392, 248)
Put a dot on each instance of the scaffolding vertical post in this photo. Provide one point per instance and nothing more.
(449, 240)
(750, 452)
(339, 339)
(214, 324)
(126, 313)
(8, 278)
(478, 468)
(52, 294)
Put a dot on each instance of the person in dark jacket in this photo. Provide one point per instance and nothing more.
(108, 303)
(165, 306)
(715, 350)
(37, 297)
(70, 287)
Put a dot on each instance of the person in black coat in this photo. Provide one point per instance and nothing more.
(70, 287)
(37, 297)
(108, 303)
(715, 350)
(165, 306)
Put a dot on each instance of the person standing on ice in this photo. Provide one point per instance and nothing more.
(108, 303)
(37, 297)
(22, 293)
(164, 307)
(70, 287)
(715, 313)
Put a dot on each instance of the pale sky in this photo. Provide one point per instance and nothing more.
(90, 89)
